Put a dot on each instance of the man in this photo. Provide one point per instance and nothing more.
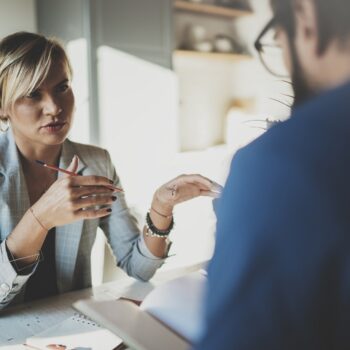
(280, 276)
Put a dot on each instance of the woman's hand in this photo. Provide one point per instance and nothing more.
(181, 189)
(72, 198)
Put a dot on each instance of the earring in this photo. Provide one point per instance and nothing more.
(4, 122)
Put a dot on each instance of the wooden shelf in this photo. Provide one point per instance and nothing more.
(212, 55)
(210, 9)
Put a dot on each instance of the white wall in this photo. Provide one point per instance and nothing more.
(17, 15)
(138, 119)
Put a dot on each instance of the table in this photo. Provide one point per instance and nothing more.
(22, 321)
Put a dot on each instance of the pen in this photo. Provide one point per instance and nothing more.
(55, 168)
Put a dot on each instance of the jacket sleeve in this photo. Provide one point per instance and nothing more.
(11, 282)
(124, 236)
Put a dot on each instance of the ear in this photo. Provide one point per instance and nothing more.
(3, 116)
(4, 113)
(306, 24)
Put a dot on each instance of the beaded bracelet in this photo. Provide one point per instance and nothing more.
(152, 231)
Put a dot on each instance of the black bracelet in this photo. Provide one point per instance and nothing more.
(155, 231)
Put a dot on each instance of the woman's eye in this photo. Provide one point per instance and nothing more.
(63, 88)
(33, 95)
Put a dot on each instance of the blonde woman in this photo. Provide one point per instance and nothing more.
(48, 222)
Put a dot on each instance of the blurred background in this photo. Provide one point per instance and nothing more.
(168, 87)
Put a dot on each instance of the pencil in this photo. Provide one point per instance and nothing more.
(71, 173)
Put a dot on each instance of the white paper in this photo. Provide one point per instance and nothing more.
(77, 332)
(178, 304)
(22, 321)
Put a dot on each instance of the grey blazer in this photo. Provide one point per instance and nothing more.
(73, 241)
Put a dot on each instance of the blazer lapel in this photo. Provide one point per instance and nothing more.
(13, 182)
(67, 236)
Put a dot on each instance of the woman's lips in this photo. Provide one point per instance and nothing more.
(54, 127)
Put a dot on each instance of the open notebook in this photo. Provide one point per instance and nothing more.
(76, 333)
(169, 317)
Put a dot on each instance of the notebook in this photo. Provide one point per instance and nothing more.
(169, 317)
(76, 332)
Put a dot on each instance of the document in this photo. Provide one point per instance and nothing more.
(77, 332)
(23, 321)
(168, 318)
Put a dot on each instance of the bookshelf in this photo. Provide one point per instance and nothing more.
(212, 55)
(208, 9)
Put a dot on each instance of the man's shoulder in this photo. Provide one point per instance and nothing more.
(297, 160)
(315, 133)
(282, 161)
(277, 145)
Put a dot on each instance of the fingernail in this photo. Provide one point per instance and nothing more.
(109, 210)
(114, 198)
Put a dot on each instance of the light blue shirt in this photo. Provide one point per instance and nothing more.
(74, 241)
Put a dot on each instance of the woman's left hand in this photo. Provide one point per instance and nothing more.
(183, 188)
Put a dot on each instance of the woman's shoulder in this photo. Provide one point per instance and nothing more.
(94, 160)
(86, 150)
(91, 155)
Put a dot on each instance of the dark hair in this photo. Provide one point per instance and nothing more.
(332, 16)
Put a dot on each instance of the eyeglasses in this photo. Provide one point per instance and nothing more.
(270, 53)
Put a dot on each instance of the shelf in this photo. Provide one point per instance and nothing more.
(210, 9)
(212, 55)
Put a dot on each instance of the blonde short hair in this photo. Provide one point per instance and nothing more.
(25, 61)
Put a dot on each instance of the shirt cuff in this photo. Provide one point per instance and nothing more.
(143, 249)
(24, 271)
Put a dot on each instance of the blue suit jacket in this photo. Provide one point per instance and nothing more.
(280, 276)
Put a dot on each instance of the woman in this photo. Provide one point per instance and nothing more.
(48, 221)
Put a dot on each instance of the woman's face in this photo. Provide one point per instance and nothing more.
(45, 116)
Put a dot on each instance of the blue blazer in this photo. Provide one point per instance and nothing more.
(280, 276)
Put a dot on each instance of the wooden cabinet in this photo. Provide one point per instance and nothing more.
(209, 9)
(206, 79)
(217, 19)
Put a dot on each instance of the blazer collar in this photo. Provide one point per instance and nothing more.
(9, 159)
(68, 152)
(67, 236)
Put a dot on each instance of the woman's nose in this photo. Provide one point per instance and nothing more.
(51, 106)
